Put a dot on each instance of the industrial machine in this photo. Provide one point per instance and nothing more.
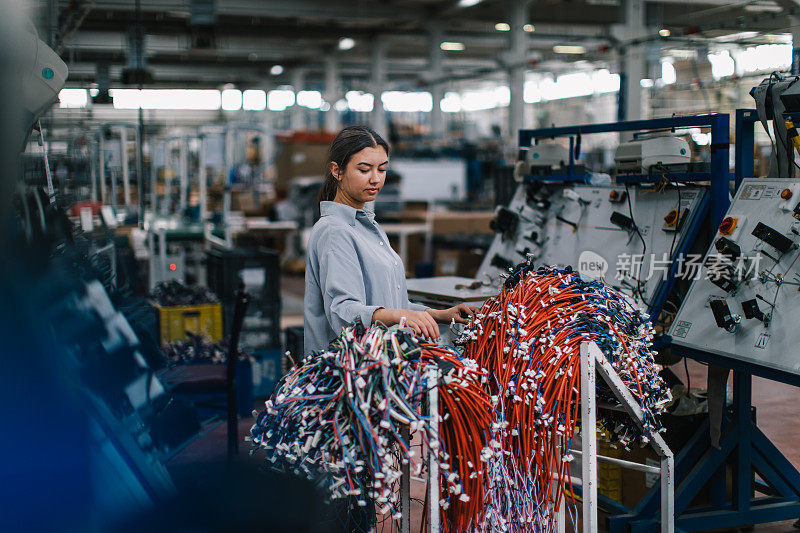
(640, 155)
(738, 315)
(741, 305)
(626, 236)
(629, 234)
(43, 74)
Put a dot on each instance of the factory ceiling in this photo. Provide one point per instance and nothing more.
(212, 43)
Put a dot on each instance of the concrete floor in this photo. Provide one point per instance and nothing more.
(776, 405)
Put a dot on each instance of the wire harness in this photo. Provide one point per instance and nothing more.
(339, 416)
(528, 338)
(508, 405)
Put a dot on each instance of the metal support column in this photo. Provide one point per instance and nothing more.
(296, 112)
(101, 156)
(202, 172)
(744, 151)
(377, 84)
(123, 154)
(518, 10)
(331, 93)
(632, 69)
(183, 175)
(435, 37)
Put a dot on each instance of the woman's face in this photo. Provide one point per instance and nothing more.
(363, 178)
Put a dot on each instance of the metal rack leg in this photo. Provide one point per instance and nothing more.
(588, 440)
(433, 500)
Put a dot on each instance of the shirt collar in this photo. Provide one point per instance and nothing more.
(345, 212)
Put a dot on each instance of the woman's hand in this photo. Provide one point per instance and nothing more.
(420, 321)
(460, 313)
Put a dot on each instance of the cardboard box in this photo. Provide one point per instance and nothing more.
(300, 158)
(471, 223)
(464, 263)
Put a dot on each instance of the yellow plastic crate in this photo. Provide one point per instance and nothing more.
(175, 321)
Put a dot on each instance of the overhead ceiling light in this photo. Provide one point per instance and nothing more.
(448, 45)
(276, 70)
(502, 26)
(529, 28)
(468, 3)
(346, 43)
(664, 32)
(569, 49)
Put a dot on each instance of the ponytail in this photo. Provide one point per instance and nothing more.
(329, 187)
(347, 143)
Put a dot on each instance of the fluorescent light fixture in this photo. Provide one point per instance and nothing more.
(732, 37)
(502, 26)
(346, 43)
(231, 99)
(569, 49)
(682, 53)
(451, 46)
(646, 83)
(280, 99)
(309, 99)
(664, 32)
(276, 70)
(529, 28)
(761, 7)
(254, 100)
(181, 99)
(468, 3)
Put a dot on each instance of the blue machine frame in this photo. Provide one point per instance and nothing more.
(719, 176)
(742, 445)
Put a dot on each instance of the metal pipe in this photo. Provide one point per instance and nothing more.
(622, 462)
(433, 500)
(126, 178)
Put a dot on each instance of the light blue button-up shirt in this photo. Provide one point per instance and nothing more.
(351, 271)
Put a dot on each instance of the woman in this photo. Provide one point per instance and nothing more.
(352, 274)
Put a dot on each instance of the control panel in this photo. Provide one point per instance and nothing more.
(627, 237)
(740, 305)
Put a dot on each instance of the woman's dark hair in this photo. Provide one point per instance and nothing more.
(347, 143)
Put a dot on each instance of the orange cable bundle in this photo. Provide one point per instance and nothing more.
(528, 338)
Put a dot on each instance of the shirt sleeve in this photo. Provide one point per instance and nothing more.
(342, 283)
(414, 306)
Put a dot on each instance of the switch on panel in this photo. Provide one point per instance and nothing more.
(723, 316)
